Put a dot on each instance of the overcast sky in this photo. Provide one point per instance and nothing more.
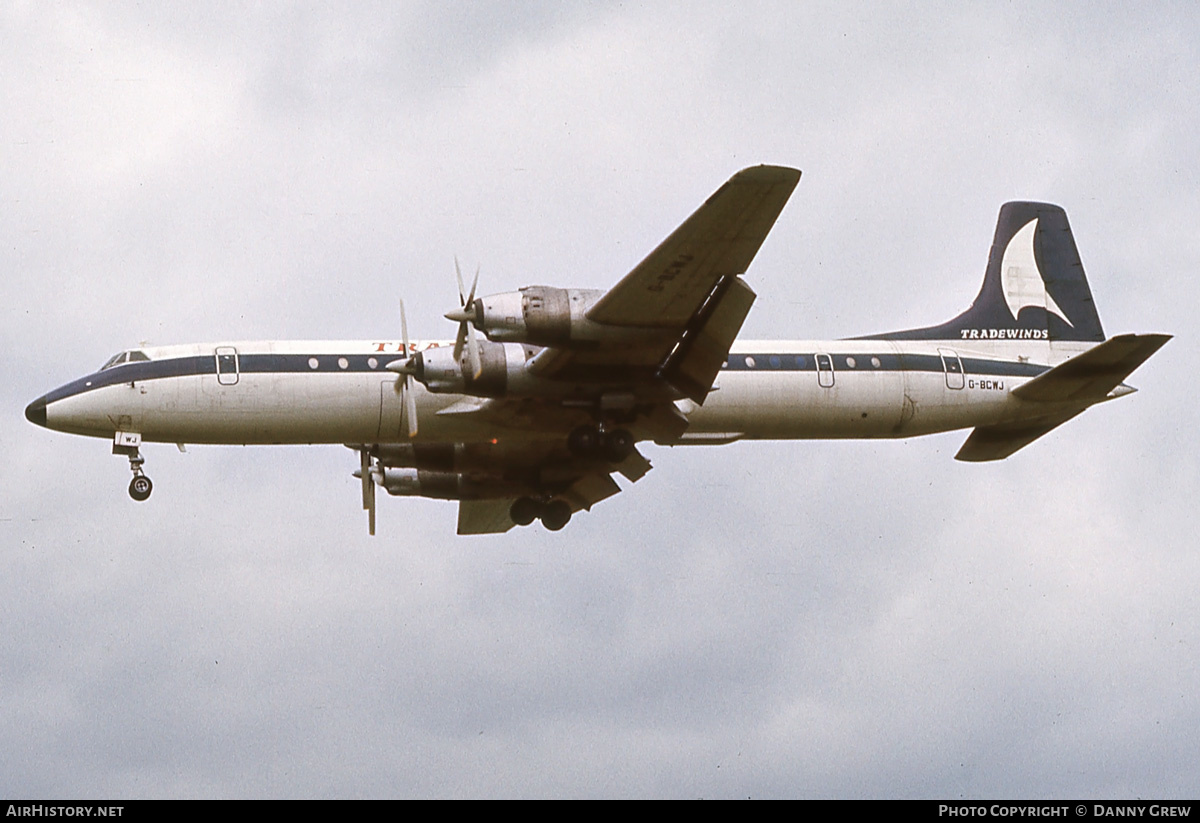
(772, 619)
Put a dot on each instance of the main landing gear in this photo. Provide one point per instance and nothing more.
(127, 443)
(554, 514)
(614, 445)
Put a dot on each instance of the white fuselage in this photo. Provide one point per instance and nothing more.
(339, 392)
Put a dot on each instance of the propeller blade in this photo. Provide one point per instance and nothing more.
(404, 378)
(473, 353)
(365, 473)
(465, 317)
(470, 297)
(404, 330)
(460, 339)
(410, 407)
(371, 511)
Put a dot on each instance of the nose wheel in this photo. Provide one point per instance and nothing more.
(126, 444)
(140, 487)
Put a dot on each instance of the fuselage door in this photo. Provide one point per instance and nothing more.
(227, 365)
(825, 370)
(953, 366)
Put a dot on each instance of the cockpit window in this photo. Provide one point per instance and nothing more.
(115, 360)
(134, 356)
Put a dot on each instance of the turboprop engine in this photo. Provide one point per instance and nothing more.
(446, 485)
(543, 316)
(501, 371)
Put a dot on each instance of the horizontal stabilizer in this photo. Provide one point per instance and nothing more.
(998, 442)
(1089, 377)
(1085, 379)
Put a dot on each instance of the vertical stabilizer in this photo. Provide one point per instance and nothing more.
(1034, 287)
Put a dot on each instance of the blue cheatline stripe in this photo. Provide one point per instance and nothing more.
(360, 363)
(768, 362)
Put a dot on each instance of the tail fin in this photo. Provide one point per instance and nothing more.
(1034, 287)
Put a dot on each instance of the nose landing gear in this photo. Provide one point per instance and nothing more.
(127, 443)
(140, 487)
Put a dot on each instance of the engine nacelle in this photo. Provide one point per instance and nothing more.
(442, 457)
(541, 315)
(502, 373)
(545, 316)
(446, 485)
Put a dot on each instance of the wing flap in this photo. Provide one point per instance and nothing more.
(692, 367)
(719, 240)
(634, 467)
(590, 489)
(484, 516)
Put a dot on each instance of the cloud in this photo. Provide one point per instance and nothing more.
(762, 619)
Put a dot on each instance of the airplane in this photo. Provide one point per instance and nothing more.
(532, 422)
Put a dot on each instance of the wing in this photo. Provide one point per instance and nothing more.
(686, 299)
(719, 240)
(488, 478)
(659, 335)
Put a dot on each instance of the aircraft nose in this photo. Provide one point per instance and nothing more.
(35, 412)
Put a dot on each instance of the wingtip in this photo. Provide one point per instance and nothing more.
(766, 173)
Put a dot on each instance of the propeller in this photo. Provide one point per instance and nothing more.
(465, 317)
(404, 379)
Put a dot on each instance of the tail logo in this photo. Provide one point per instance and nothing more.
(1020, 278)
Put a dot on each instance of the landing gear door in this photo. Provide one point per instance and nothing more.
(227, 365)
(952, 364)
(824, 370)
